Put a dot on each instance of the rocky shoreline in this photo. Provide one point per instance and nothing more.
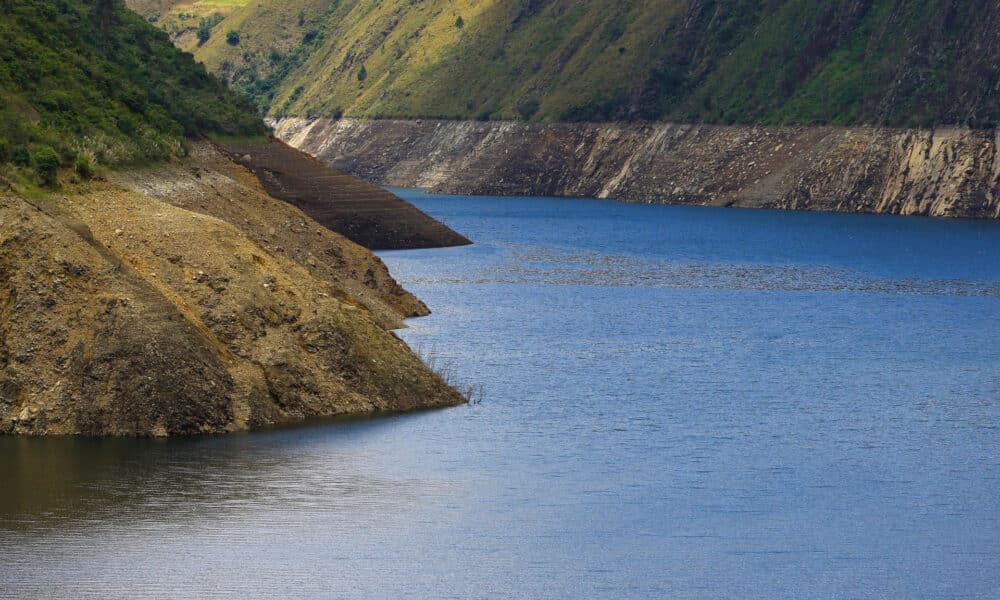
(944, 172)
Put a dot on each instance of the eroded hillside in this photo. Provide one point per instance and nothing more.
(183, 299)
(939, 172)
(177, 297)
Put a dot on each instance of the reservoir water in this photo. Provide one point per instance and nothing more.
(676, 402)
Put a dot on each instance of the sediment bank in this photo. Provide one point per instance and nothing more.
(944, 172)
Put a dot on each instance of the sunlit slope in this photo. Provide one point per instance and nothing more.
(504, 61)
(918, 62)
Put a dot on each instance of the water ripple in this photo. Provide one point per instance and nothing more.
(553, 266)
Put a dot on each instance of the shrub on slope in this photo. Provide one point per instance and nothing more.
(91, 77)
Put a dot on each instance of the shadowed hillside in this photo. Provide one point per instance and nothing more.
(364, 213)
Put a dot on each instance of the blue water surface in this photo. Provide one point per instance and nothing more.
(676, 402)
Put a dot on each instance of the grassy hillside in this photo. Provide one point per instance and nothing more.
(895, 62)
(89, 81)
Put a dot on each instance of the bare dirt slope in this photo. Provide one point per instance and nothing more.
(183, 299)
(360, 211)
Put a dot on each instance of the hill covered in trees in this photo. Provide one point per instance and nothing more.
(90, 81)
(885, 62)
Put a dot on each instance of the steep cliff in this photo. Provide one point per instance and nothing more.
(184, 299)
(938, 172)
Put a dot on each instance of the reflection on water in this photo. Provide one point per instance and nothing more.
(58, 483)
(207, 516)
(678, 402)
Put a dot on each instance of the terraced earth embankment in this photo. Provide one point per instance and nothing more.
(944, 172)
(364, 213)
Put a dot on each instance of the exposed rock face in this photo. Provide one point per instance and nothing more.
(942, 172)
(184, 299)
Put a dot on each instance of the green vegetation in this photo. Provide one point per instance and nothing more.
(273, 44)
(83, 167)
(205, 26)
(85, 82)
(527, 109)
(233, 37)
(889, 62)
(46, 161)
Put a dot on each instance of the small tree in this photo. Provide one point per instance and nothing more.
(20, 157)
(204, 31)
(527, 109)
(83, 167)
(460, 22)
(233, 37)
(46, 161)
(363, 73)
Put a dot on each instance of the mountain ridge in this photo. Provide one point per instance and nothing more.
(776, 62)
